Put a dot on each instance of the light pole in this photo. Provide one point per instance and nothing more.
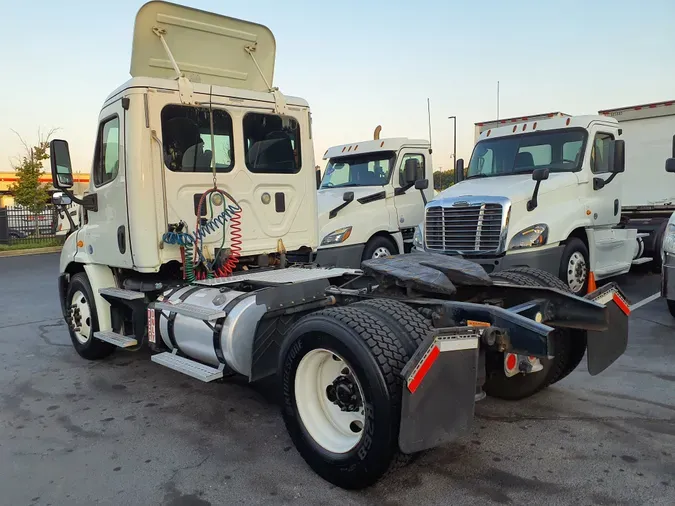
(454, 142)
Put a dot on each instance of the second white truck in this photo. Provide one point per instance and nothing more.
(371, 198)
(581, 197)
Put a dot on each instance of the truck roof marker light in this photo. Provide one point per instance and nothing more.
(515, 127)
(488, 133)
(382, 144)
(343, 149)
(356, 147)
(524, 126)
(567, 123)
(350, 148)
(325, 153)
(534, 127)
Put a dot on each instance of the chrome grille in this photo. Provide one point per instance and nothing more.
(474, 227)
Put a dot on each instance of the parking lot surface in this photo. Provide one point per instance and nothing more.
(125, 431)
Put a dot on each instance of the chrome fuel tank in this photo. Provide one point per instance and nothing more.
(230, 338)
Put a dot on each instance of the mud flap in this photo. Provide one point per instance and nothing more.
(605, 346)
(439, 387)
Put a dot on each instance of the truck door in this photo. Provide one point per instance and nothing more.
(604, 203)
(106, 238)
(408, 200)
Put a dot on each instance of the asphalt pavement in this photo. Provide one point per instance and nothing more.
(125, 431)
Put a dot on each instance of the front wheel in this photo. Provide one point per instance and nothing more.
(82, 319)
(575, 266)
(379, 247)
(341, 395)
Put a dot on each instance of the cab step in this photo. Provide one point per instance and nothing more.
(189, 367)
(114, 338)
(191, 311)
(643, 260)
(121, 293)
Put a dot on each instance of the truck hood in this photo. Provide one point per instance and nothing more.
(517, 188)
(330, 198)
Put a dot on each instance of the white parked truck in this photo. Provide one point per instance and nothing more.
(203, 188)
(558, 194)
(371, 198)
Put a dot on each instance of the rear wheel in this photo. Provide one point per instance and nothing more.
(340, 375)
(671, 307)
(520, 386)
(575, 345)
(82, 319)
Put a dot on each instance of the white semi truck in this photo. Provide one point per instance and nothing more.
(559, 193)
(368, 204)
(203, 187)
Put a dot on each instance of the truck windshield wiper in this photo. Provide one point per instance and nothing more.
(478, 175)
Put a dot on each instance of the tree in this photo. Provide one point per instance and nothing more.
(28, 191)
(443, 179)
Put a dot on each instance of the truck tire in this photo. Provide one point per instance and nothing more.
(346, 433)
(520, 386)
(576, 344)
(81, 315)
(379, 247)
(575, 266)
(671, 307)
(410, 326)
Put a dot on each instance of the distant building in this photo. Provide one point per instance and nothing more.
(9, 178)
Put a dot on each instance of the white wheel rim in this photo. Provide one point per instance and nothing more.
(576, 272)
(81, 317)
(334, 429)
(381, 252)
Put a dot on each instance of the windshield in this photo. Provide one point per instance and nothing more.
(371, 169)
(558, 151)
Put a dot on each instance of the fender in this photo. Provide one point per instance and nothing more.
(101, 276)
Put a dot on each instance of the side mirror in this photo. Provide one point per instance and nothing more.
(421, 184)
(670, 165)
(60, 199)
(617, 156)
(318, 179)
(348, 196)
(411, 171)
(540, 174)
(62, 169)
(459, 170)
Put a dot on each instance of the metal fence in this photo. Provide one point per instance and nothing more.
(19, 225)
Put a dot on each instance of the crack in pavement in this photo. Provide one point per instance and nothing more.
(43, 330)
(27, 323)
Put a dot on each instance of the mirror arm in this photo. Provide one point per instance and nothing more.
(599, 183)
(532, 203)
(64, 208)
(89, 202)
(424, 197)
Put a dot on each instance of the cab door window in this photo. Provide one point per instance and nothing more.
(600, 153)
(271, 143)
(107, 156)
(415, 156)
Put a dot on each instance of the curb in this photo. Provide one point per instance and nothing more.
(33, 251)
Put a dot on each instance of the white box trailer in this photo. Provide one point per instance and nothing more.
(648, 192)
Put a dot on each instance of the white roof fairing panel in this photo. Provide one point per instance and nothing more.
(207, 47)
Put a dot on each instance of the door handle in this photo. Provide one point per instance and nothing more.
(616, 207)
(121, 239)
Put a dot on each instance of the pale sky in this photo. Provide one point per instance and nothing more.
(357, 63)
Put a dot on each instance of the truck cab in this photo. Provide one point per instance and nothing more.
(371, 198)
(545, 193)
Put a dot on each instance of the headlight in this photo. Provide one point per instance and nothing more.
(669, 239)
(531, 237)
(418, 238)
(337, 236)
